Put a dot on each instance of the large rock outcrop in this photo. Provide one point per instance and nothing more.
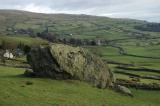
(60, 61)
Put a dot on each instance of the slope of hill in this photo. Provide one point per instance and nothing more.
(46, 92)
(79, 26)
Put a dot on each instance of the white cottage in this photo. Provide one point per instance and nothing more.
(8, 54)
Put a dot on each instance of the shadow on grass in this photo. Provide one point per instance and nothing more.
(15, 76)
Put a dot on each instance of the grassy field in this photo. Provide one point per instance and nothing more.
(22, 39)
(112, 54)
(47, 92)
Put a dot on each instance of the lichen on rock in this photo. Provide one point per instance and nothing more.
(59, 61)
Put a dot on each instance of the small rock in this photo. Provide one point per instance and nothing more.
(123, 90)
(29, 73)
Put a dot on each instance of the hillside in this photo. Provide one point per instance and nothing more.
(47, 92)
(130, 47)
(76, 26)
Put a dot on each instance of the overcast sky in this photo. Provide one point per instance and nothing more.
(137, 9)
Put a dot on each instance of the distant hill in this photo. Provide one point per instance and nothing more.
(14, 22)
